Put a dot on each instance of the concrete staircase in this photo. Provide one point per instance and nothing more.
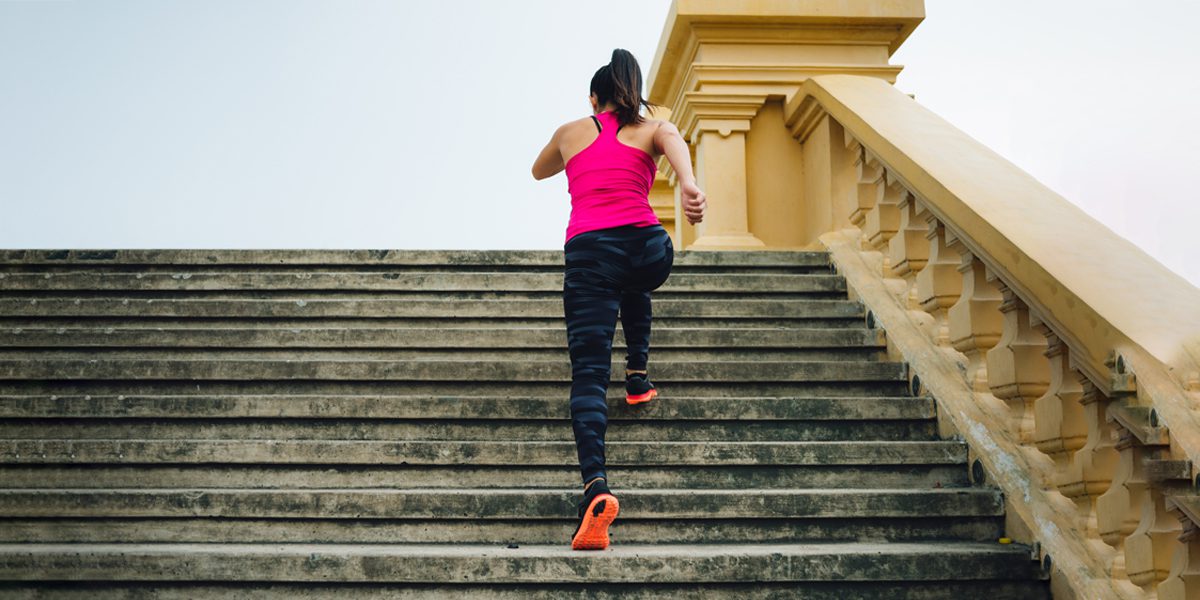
(303, 424)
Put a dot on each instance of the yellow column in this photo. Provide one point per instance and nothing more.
(721, 173)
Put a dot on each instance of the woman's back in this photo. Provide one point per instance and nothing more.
(580, 133)
(609, 173)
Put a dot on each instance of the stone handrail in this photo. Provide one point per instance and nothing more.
(1077, 380)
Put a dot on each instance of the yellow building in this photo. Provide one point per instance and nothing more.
(1066, 357)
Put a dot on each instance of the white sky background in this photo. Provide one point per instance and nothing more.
(403, 124)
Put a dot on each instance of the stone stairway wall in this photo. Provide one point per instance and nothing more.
(396, 424)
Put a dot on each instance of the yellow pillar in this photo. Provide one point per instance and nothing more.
(721, 173)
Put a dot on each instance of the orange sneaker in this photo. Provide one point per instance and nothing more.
(638, 388)
(596, 512)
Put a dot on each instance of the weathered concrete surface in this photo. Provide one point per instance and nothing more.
(818, 590)
(300, 388)
(142, 365)
(92, 280)
(369, 476)
(494, 503)
(454, 452)
(326, 305)
(173, 258)
(976, 528)
(539, 428)
(489, 355)
(425, 339)
(746, 410)
(529, 564)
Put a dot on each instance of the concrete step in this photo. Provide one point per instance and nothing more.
(200, 278)
(425, 339)
(454, 372)
(463, 564)
(351, 295)
(498, 531)
(170, 259)
(462, 406)
(498, 428)
(492, 503)
(53, 390)
(713, 323)
(809, 590)
(455, 311)
(919, 476)
(617, 355)
(486, 295)
(450, 452)
(484, 355)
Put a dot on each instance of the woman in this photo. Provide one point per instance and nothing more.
(616, 253)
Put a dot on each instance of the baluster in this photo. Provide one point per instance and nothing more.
(939, 284)
(1148, 550)
(1183, 582)
(1092, 466)
(908, 249)
(974, 322)
(1018, 371)
(1118, 509)
(883, 219)
(869, 174)
(1060, 426)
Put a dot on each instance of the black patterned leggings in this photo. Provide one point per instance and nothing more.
(607, 270)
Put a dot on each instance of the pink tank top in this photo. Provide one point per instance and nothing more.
(609, 183)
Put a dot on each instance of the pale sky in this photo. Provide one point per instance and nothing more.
(403, 124)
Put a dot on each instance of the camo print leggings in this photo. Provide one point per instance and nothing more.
(608, 270)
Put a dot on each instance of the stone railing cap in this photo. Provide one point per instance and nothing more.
(1097, 284)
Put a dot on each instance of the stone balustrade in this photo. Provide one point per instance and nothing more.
(1066, 357)
(1091, 375)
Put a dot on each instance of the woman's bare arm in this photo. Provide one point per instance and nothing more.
(668, 141)
(549, 162)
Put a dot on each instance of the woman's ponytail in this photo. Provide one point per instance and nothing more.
(620, 82)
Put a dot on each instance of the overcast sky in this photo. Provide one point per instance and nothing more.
(399, 124)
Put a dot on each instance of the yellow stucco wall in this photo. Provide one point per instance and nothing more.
(775, 180)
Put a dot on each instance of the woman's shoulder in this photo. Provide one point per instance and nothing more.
(575, 132)
(579, 122)
(654, 124)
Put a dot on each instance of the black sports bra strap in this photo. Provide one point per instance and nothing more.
(598, 128)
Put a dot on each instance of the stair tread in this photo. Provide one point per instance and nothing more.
(273, 258)
(175, 258)
(453, 372)
(469, 563)
(695, 505)
(533, 407)
(482, 452)
(473, 550)
(525, 492)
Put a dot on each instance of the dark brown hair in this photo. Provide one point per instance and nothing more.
(620, 81)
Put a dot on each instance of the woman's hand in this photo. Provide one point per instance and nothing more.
(693, 200)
